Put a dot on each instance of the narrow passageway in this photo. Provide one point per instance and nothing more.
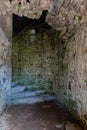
(43, 62)
(39, 116)
(35, 63)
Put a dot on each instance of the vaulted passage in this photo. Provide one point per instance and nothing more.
(43, 57)
(32, 54)
(41, 60)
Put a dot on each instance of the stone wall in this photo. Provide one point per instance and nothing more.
(32, 57)
(6, 24)
(5, 65)
(45, 57)
(70, 81)
(61, 62)
(63, 15)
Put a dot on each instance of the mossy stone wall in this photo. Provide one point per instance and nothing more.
(70, 85)
(45, 59)
(33, 56)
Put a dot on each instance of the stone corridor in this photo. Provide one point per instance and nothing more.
(46, 59)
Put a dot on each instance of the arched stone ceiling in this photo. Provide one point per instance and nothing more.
(63, 15)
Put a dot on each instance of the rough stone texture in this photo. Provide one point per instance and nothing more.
(33, 99)
(4, 124)
(63, 15)
(32, 57)
(70, 80)
(17, 89)
(6, 24)
(5, 67)
(63, 62)
(68, 62)
(27, 94)
(69, 16)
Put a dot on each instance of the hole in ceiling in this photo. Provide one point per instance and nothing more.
(28, 1)
(20, 2)
(21, 24)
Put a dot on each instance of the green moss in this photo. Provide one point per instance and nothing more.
(31, 60)
(79, 18)
(19, 5)
(65, 98)
(76, 119)
(85, 81)
(71, 106)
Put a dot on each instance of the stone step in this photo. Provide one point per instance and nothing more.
(13, 84)
(21, 88)
(27, 94)
(29, 87)
(33, 99)
(17, 89)
(47, 97)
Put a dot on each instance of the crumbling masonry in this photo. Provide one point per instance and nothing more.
(69, 73)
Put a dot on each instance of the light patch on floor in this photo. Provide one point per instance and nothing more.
(4, 124)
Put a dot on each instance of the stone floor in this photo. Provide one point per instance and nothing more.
(39, 116)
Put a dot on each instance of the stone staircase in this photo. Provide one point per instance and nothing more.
(27, 95)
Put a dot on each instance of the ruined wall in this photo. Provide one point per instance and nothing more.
(5, 68)
(61, 62)
(32, 57)
(5, 64)
(70, 85)
(63, 15)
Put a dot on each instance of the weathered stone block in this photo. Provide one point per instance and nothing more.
(33, 99)
(27, 94)
(17, 89)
